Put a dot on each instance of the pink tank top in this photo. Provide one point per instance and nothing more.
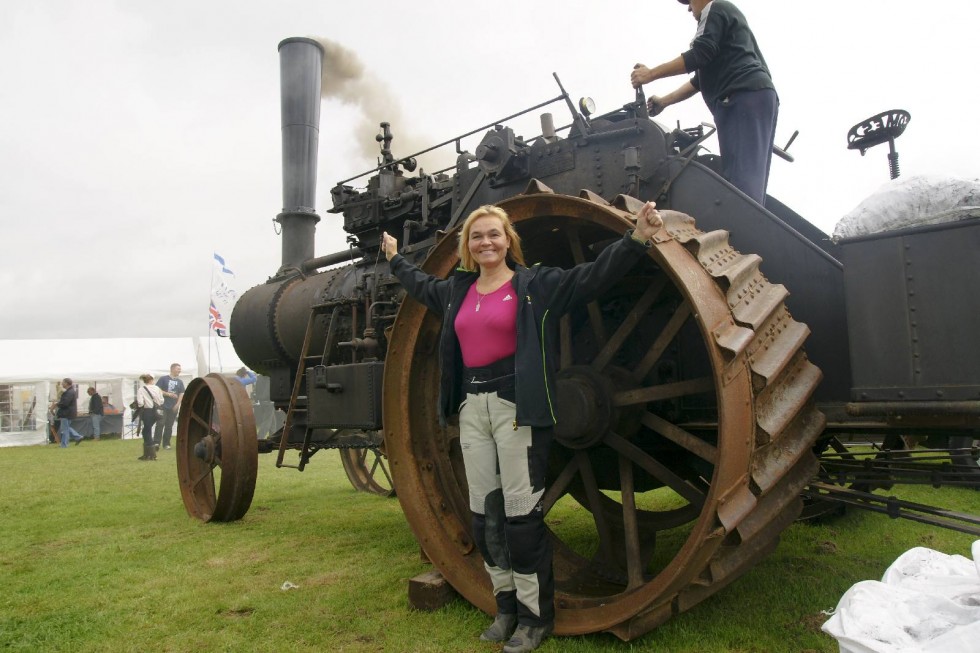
(486, 325)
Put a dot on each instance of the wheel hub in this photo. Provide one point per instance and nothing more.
(585, 409)
(204, 449)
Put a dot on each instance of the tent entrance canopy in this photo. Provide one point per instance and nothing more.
(22, 406)
(31, 372)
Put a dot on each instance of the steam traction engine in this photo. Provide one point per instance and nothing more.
(687, 406)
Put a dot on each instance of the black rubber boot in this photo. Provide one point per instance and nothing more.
(527, 638)
(501, 629)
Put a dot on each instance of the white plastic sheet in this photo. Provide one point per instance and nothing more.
(910, 202)
(927, 602)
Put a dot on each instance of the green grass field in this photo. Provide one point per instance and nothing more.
(98, 554)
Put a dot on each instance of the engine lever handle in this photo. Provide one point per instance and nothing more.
(782, 152)
(641, 103)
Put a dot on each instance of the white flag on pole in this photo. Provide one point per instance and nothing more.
(223, 296)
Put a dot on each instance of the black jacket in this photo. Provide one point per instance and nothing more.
(67, 404)
(545, 294)
(725, 56)
(95, 405)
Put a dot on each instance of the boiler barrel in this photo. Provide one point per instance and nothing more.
(268, 323)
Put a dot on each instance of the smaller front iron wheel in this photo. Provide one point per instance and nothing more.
(217, 449)
(367, 470)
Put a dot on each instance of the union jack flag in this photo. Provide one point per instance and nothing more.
(216, 322)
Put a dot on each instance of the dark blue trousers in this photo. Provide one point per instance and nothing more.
(746, 122)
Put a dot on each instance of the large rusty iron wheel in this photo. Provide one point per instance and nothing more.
(367, 470)
(685, 433)
(217, 449)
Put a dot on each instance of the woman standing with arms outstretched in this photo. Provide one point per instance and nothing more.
(498, 356)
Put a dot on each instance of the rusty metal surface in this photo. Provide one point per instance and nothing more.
(664, 379)
(217, 450)
(795, 254)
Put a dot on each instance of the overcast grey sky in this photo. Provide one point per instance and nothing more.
(138, 137)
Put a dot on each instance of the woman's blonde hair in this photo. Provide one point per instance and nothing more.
(146, 378)
(514, 252)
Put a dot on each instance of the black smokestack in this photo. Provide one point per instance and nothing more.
(300, 69)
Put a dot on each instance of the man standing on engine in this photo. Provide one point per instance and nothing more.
(734, 81)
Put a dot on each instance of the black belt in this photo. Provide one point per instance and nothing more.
(497, 376)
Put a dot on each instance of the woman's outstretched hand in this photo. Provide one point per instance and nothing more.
(389, 245)
(648, 222)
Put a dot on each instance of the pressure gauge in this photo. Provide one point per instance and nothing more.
(587, 106)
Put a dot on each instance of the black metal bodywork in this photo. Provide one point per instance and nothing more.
(912, 300)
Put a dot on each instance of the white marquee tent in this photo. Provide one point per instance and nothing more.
(31, 371)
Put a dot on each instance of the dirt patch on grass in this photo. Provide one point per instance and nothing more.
(813, 622)
(827, 547)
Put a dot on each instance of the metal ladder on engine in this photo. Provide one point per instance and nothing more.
(295, 398)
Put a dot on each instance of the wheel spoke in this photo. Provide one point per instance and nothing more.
(206, 474)
(655, 468)
(595, 316)
(634, 565)
(628, 325)
(660, 344)
(677, 435)
(595, 506)
(210, 431)
(380, 464)
(559, 486)
(664, 391)
(197, 419)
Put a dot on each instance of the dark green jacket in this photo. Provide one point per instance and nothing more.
(724, 55)
(545, 294)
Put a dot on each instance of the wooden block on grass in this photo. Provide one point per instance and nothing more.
(429, 591)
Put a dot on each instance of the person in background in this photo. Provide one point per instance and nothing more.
(245, 376)
(173, 389)
(499, 362)
(149, 397)
(107, 406)
(734, 81)
(95, 412)
(266, 421)
(67, 410)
